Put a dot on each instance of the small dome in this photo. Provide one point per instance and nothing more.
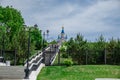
(62, 30)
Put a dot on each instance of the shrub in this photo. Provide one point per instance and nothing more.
(62, 49)
(65, 55)
(68, 62)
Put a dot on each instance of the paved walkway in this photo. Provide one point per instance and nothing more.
(106, 79)
(12, 72)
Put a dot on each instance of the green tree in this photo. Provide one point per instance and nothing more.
(117, 53)
(17, 37)
(36, 37)
(77, 49)
(111, 51)
(99, 50)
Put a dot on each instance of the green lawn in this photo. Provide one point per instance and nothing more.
(83, 72)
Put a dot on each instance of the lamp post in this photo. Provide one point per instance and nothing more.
(27, 67)
(1, 44)
(43, 40)
(47, 33)
(3, 47)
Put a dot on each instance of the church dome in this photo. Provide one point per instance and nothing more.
(62, 30)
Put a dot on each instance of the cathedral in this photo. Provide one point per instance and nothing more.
(62, 37)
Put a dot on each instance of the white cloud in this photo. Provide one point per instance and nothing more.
(89, 20)
(92, 18)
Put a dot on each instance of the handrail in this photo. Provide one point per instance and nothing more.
(32, 56)
(35, 63)
(35, 56)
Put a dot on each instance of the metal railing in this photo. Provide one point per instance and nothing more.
(35, 60)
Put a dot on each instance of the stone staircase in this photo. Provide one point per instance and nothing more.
(12, 72)
(18, 72)
(49, 55)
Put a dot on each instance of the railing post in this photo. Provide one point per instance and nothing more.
(59, 58)
(105, 56)
(86, 56)
(15, 57)
(3, 47)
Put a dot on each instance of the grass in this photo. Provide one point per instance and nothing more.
(78, 72)
(82, 72)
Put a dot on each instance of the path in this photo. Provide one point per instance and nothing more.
(12, 72)
(36, 63)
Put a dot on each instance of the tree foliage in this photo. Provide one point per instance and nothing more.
(76, 48)
(15, 34)
(83, 52)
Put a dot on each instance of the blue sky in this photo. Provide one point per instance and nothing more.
(91, 18)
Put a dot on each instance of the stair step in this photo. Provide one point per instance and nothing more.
(12, 72)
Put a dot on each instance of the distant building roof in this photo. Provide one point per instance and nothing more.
(62, 30)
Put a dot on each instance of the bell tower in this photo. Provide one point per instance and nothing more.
(62, 33)
(62, 36)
